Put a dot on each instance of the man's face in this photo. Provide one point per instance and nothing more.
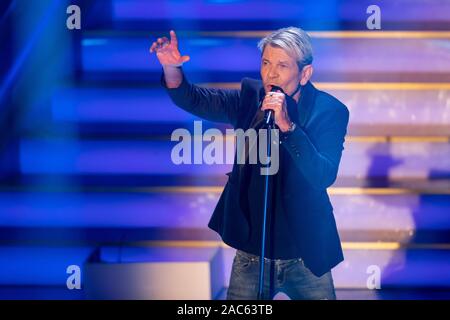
(280, 69)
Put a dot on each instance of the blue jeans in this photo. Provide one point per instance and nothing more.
(291, 277)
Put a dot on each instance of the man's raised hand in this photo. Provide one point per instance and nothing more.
(167, 51)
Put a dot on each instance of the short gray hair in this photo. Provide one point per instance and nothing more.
(294, 41)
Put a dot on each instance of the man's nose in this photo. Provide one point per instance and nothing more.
(272, 73)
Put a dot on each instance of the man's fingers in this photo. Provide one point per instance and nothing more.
(159, 43)
(165, 42)
(153, 47)
(273, 100)
(173, 38)
(162, 40)
(271, 106)
(161, 46)
(274, 94)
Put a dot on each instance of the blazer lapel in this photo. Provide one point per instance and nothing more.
(306, 103)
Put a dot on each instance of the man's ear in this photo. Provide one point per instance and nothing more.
(306, 74)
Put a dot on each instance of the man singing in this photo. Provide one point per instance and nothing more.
(303, 244)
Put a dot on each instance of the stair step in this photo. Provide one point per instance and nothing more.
(100, 235)
(153, 157)
(154, 273)
(399, 268)
(424, 237)
(97, 217)
(36, 266)
(398, 14)
(150, 107)
(340, 60)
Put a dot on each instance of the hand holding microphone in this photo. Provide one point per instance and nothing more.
(276, 108)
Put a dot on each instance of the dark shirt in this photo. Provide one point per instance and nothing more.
(279, 241)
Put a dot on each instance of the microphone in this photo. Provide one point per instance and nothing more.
(269, 116)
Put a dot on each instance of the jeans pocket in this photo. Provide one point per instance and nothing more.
(293, 263)
(242, 261)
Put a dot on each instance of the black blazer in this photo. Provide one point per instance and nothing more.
(315, 148)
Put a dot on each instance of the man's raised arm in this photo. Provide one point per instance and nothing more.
(210, 104)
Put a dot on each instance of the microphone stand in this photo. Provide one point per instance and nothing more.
(269, 124)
